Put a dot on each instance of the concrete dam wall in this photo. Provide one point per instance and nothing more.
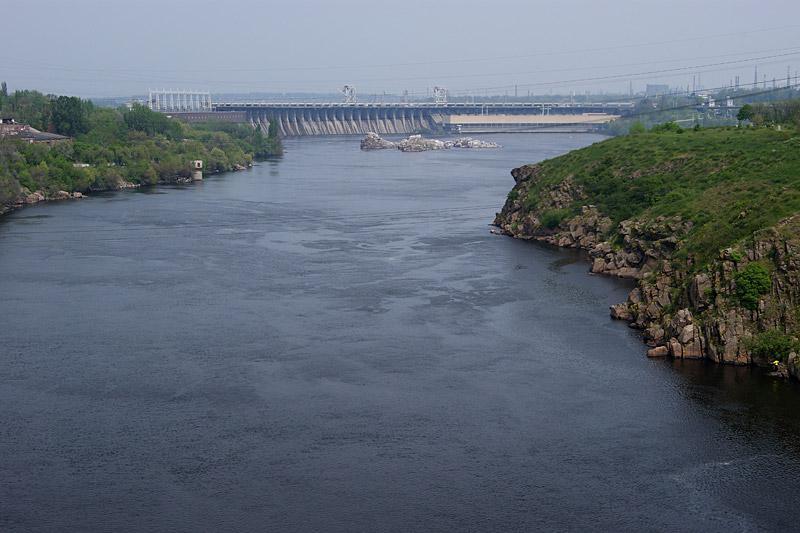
(300, 119)
(345, 121)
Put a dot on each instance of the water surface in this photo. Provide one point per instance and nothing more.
(335, 342)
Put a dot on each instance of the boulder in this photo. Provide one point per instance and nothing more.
(675, 348)
(621, 312)
(34, 198)
(598, 265)
(658, 351)
(373, 141)
(60, 195)
(416, 143)
(469, 142)
(691, 344)
(793, 365)
(700, 290)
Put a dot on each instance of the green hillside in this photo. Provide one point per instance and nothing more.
(729, 182)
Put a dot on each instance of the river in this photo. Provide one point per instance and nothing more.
(334, 341)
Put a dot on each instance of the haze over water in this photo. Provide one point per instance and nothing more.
(335, 342)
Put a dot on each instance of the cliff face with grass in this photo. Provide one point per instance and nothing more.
(706, 221)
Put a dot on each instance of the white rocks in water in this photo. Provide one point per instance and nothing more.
(469, 142)
(415, 143)
(373, 141)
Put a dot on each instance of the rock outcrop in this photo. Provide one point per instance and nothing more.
(684, 310)
(25, 198)
(417, 143)
(373, 141)
(469, 142)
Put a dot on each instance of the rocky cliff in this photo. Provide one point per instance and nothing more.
(738, 305)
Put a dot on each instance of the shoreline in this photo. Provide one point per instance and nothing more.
(26, 198)
(682, 311)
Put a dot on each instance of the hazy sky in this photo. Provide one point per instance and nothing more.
(112, 47)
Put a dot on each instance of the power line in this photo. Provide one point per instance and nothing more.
(185, 81)
(629, 75)
(226, 68)
(690, 105)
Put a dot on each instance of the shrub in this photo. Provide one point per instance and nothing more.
(551, 218)
(772, 345)
(513, 195)
(637, 128)
(531, 200)
(751, 282)
(667, 127)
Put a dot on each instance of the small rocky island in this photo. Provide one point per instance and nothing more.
(416, 143)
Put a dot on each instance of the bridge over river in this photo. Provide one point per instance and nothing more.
(298, 119)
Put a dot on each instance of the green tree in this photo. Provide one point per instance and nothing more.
(751, 283)
(28, 107)
(772, 344)
(141, 118)
(745, 113)
(68, 116)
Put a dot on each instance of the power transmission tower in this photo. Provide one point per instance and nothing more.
(349, 93)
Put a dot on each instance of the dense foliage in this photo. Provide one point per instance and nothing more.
(113, 146)
(751, 283)
(785, 113)
(772, 345)
(729, 182)
(693, 110)
(553, 217)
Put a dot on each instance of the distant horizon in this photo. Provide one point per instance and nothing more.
(85, 48)
(366, 98)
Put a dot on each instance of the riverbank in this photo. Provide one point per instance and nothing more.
(101, 149)
(705, 221)
(28, 198)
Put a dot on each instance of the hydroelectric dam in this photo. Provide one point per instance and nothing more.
(357, 118)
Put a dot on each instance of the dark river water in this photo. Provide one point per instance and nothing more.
(335, 342)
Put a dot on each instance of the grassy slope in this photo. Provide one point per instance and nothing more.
(728, 181)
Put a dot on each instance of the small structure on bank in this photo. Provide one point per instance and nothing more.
(197, 170)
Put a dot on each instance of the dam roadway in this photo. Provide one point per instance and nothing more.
(301, 119)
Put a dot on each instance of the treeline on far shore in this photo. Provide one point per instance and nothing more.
(111, 148)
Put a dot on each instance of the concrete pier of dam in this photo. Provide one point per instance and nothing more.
(582, 122)
(301, 119)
